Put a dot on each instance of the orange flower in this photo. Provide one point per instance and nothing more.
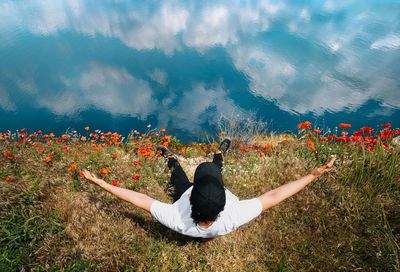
(311, 145)
(114, 183)
(114, 156)
(317, 131)
(343, 125)
(87, 128)
(267, 147)
(166, 139)
(81, 174)
(162, 130)
(83, 139)
(105, 171)
(73, 167)
(304, 125)
(136, 176)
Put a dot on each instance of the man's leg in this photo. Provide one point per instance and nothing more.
(218, 159)
(179, 181)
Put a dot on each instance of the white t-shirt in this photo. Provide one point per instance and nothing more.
(177, 216)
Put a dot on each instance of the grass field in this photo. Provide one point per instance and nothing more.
(51, 219)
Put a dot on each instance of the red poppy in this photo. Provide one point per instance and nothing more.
(136, 176)
(8, 179)
(114, 183)
(366, 130)
(387, 125)
(343, 125)
(330, 138)
(370, 148)
(386, 134)
(317, 131)
(114, 156)
(162, 130)
(136, 163)
(81, 174)
(304, 125)
(260, 155)
(386, 145)
(323, 139)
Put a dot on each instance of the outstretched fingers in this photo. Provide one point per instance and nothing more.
(331, 162)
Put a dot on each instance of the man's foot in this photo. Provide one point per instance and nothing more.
(165, 152)
(224, 146)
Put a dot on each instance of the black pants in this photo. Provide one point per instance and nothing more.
(179, 181)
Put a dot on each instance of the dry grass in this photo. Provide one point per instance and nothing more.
(332, 225)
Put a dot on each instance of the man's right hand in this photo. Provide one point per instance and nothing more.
(320, 170)
(91, 177)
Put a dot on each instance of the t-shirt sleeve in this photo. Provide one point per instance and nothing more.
(164, 213)
(247, 210)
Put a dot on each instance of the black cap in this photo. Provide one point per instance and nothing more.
(208, 193)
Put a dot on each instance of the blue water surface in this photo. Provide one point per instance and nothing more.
(181, 65)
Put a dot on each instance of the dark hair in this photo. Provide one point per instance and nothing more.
(198, 217)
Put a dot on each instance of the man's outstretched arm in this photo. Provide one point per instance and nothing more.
(138, 199)
(274, 197)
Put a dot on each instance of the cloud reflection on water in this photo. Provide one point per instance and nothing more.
(317, 57)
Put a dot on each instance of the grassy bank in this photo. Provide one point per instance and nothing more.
(52, 219)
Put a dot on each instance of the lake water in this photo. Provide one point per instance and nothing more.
(121, 65)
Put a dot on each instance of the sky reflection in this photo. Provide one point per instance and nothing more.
(183, 63)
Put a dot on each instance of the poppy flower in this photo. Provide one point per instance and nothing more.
(386, 134)
(73, 167)
(387, 125)
(343, 125)
(104, 171)
(330, 138)
(317, 131)
(114, 183)
(7, 153)
(87, 128)
(8, 179)
(311, 145)
(366, 130)
(136, 176)
(304, 125)
(162, 130)
(323, 139)
(114, 156)
(136, 163)
(370, 148)
(81, 174)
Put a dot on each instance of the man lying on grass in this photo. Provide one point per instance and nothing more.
(205, 208)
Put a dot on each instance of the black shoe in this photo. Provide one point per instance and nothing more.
(224, 146)
(165, 152)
